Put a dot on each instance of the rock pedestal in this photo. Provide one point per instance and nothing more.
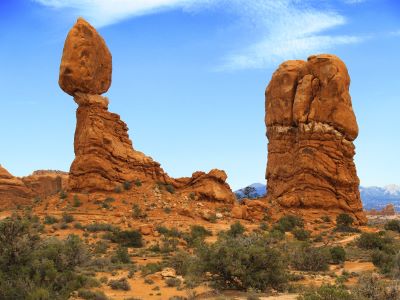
(311, 127)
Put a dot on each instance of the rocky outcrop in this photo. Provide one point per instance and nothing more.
(311, 127)
(104, 154)
(44, 183)
(13, 191)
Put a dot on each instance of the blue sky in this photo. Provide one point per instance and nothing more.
(189, 78)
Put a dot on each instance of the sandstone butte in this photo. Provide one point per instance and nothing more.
(311, 127)
(104, 154)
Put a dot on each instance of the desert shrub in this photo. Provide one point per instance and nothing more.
(344, 223)
(170, 188)
(306, 258)
(338, 254)
(374, 240)
(49, 220)
(127, 238)
(121, 255)
(288, 223)
(301, 234)
(393, 225)
(120, 284)
(327, 292)
(92, 295)
(137, 212)
(33, 268)
(96, 227)
(138, 182)
(151, 268)
(326, 219)
(127, 185)
(117, 189)
(173, 232)
(383, 260)
(197, 235)
(169, 244)
(185, 264)
(63, 195)
(173, 282)
(236, 229)
(243, 262)
(78, 225)
(76, 201)
(100, 247)
(67, 218)
(370, 286)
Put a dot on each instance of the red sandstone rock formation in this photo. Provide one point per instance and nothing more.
(104, 155)
(46, 183)
(311, 127)
(12, 190)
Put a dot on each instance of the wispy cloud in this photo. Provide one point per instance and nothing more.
(288, 30)
(282, 29)
(106, 12)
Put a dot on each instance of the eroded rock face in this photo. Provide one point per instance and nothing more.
(311, 127)
(86, 61)
(45, 183)
(104, 155)
(13, 191)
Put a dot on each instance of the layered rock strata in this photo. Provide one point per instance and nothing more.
(104, 154)
(311, 127)
(13, 191)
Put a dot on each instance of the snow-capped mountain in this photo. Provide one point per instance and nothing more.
(373, 197)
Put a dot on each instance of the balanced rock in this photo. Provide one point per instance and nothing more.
(104, 154)
(311, 127)
(86, 61)
(13, 191)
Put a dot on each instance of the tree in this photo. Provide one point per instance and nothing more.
(249, 192)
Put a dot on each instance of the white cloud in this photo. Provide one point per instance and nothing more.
(289, 31)
(281, 29)
(105, 12)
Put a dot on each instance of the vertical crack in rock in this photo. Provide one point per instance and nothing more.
(311, 127)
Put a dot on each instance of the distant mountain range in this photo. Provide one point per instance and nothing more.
(372, 197)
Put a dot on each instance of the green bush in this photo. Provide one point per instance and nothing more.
(151, 268)
(67, 218)
(138, 183)
(236, 229)
(301, 234)
(49, 220)
(373, 240)
(120, 284)
(121, 255)
(344, 223)
(137, 212)
(96, 227)
(92, 295)
(327, 292)
(32, 268)
(170, 188)
(338, 254)
(127, 185)
(173, 282)
(306, 258)
(77, 202)
(127, 238)
(393, 225)
(370, 286)
(243, 262)
(288, 223)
